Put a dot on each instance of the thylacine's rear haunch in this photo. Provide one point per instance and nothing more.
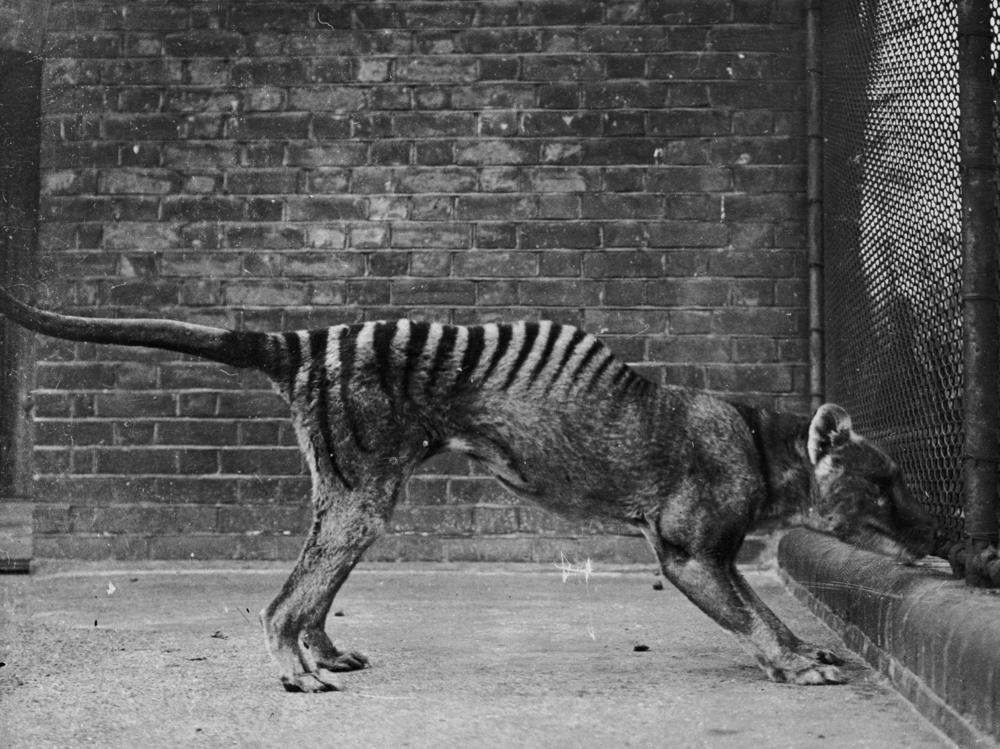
(558, 419)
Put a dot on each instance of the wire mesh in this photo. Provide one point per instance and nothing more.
(892, 238)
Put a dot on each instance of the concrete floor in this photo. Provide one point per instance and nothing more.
(157, 655)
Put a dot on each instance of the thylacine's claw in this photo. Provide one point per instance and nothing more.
(819, 654)
(318, 681)
(352, 661)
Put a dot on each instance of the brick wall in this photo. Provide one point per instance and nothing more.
(633, 167)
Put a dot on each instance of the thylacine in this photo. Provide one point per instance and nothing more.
(558, 419)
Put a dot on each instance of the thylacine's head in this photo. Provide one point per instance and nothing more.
(859, 494)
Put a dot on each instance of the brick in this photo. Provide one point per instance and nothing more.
(495, 264)
(125, 403)
(750, 377)
(323, 265)
(684, 349)
(433, 124)
(687, 234)
(478, 207)
(266, 294)
(333, 154)
(622, 205)
(267, 71)
(559, 235)
(86, 44)
(433, 264)
(495, 235)
(770, 263)
(200, 155)
(327, 208)
(491, 152)
(559, 293)
(432, 235)
(439, 179)
(433, 292)
(497, 293)
(688, 122)
(776, 206)
(268, 125)
(74, 375)
(766, 179)
(775, 321)
(754, 350)
(626, 321)
(147, 294)
(625, 95)
(554, 123)
(202, 208)
(432, 69)
(562, 68)
(500, 179)
(274, 461)
(261, 181)
(562, 179)
(326, 99)
(623, 264)
(199, 43)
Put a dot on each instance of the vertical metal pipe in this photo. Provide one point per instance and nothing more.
(21, 44)
(814, 225)
(979, 277)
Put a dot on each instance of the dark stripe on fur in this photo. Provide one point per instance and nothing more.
(445, 348)
(382, 347)
(574, 341)
(543, 360)
(348, 354)
(591, 353)
(504, 334)
(530, 334)
(414, 349)
(320, 385)
(599, 371)
(293, 352)
(473, 352)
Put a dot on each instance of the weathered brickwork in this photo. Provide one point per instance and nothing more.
(635, 167)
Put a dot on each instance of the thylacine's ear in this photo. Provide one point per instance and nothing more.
(831, 426)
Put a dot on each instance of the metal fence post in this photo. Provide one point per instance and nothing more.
(981, 454)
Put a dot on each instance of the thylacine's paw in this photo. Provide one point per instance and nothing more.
(352, 661)
(818, 676)
(312, 681)
(320, 653)
(320, 678)
(819, 654)
(805, 672)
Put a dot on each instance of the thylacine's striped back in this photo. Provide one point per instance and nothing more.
(420, 362)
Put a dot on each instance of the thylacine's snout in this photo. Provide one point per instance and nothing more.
(920, 533)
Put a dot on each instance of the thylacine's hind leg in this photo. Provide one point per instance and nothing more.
(294, 622)
(712, 582)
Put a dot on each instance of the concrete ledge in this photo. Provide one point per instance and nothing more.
(15, 535)
(935, 639)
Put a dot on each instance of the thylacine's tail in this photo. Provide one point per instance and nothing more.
(238, 348)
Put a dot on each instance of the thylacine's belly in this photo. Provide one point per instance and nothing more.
(576, 480)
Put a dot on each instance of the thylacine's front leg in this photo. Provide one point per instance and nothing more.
(715, 586)
(294, 622)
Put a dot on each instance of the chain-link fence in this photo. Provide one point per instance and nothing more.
(893, 247)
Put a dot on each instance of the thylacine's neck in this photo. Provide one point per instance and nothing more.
(780, 439)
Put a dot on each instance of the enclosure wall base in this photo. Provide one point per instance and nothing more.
(935, 639)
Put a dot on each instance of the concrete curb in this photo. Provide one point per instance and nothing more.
(935, 639)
